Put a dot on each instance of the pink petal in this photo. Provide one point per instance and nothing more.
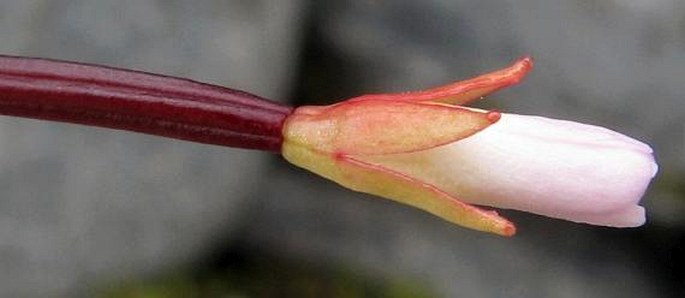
(556, 168)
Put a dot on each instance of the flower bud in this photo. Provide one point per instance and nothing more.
(425, 150)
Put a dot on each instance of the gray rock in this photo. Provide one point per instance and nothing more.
(616, 64)
(81, 207)
(316, 221)
(610, 63)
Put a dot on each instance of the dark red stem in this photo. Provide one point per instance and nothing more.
(140, 102)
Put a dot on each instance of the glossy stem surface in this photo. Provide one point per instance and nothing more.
(140, 102)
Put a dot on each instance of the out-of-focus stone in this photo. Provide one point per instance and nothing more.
(83, 206)
(608, 63)
(316, 221)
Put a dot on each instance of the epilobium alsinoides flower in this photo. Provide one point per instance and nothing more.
(424, 148)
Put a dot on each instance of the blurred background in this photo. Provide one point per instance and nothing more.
(92, 212)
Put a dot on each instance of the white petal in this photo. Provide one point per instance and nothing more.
(555, 168)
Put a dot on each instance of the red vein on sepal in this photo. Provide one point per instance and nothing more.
(138, 101)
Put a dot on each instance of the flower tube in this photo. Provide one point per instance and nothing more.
(137, 101)
(425, 150)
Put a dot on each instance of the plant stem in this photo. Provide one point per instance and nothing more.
(140, 102)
